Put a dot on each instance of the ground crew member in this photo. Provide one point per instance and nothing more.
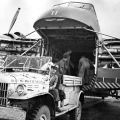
(83, 69)
(65, 64)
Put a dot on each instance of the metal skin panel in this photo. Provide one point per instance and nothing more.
(78, 14)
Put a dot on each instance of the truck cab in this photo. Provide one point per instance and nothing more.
(24, 83)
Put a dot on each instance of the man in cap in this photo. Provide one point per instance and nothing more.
(53, 84)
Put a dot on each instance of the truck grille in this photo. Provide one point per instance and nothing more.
(3, 94)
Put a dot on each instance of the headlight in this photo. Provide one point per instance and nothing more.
(10, 92)
(21, 90)
(11, 89)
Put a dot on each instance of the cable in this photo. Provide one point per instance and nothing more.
(99, 33)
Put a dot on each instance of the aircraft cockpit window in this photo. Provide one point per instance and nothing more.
(86, 6)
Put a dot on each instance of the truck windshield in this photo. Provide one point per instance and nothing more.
(25, 63)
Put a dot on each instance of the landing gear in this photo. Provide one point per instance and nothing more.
(114, 93)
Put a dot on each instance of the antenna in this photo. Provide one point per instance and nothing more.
(14, 20)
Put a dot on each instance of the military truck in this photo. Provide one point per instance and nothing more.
(24, 87)
(24, 93)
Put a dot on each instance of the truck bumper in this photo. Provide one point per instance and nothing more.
(12, 113)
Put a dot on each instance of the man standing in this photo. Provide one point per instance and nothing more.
(64, 69)
(83, 69)
(65, 64)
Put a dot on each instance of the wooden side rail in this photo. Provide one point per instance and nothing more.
(72, 80)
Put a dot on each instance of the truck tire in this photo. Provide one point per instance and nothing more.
(40, 113)
(76, 113)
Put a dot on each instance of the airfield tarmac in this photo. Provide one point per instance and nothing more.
(108, 109)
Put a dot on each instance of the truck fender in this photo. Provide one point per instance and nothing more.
(81, 97)
(48, 100)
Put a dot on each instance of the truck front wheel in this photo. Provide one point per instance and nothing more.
(76, 113)
(40, 113)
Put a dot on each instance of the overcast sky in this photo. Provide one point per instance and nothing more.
(108, 13)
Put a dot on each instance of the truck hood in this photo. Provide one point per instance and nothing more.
(22, 77)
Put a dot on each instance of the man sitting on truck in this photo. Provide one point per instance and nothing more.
(53, 84)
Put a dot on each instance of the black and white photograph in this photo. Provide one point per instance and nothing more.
(60, 60)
